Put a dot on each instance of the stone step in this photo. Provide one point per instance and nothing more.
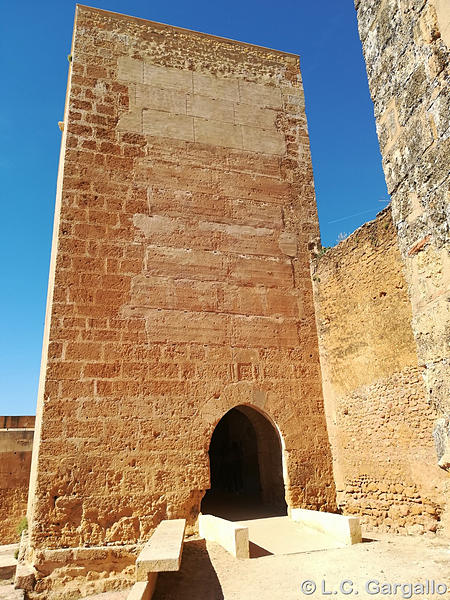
(8, 592)
(7, 561)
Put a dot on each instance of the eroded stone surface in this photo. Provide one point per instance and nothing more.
(379, 421)
(407, 56)
(16, 442)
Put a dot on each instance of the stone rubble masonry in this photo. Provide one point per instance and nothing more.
(179, 284)
(406, 48)
(16, 442)
(379, 421)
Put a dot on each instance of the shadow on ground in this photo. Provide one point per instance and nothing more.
(196, 580)
(239, 507)
(258, 551)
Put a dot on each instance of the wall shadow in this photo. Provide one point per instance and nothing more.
(196, 579)
(258, 551)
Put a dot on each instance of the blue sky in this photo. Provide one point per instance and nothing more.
(35, 40)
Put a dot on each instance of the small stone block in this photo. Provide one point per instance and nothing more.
(8, 566)
(210, 108)
(131, 121)
(167, 78)
(217, 133)
(261, 140)
(232, 537)
(214, 87)
(143, 590)
(148, 96)
(257, 93)
(247, 114)
(130, 69)
(158, 123)
(346, 530)
(25, 577)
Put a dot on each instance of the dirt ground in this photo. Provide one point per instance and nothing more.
(208, 572)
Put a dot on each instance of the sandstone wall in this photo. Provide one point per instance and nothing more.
(406, 48)
(379, 419)
(180, 283)
(16, 441)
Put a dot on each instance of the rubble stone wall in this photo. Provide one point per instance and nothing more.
(379, 419)
(406, 48)
(16, 442)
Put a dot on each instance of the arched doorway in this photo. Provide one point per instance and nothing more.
(246, 467)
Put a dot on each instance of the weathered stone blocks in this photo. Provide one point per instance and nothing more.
(406, 48)
(179, 286)
(379, 421)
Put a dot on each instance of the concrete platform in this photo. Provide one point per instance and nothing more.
(344, 529)
(281, 535)
(232, 536)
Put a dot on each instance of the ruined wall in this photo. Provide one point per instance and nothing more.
(379, 420)
(16, 442)
(179, 285)
(406, 48)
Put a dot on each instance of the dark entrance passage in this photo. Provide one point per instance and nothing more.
(246, 468)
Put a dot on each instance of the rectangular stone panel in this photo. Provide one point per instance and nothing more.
(130, 69)
(217, 133)
(166, 77)
(148, 96)
(210, 108)
(260, 140)
(155, 122)
(257, 215)
(214, 87)
(248, 114)
(270, 273)
(253, 188)
(183, 326)
(243, 240)
(188, 264)
(262, 331)
(262, 95)
(176, 294)
(131, 121)
(182, 202)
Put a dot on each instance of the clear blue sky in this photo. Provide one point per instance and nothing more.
(35, 39)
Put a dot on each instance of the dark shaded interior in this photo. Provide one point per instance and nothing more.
(246, 468)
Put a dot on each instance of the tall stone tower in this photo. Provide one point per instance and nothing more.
(179, 290)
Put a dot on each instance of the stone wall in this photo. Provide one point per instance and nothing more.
(179, 285)
(379, 420)
(16, 441)
(406, 48)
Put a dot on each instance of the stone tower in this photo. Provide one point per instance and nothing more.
(179, 288)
